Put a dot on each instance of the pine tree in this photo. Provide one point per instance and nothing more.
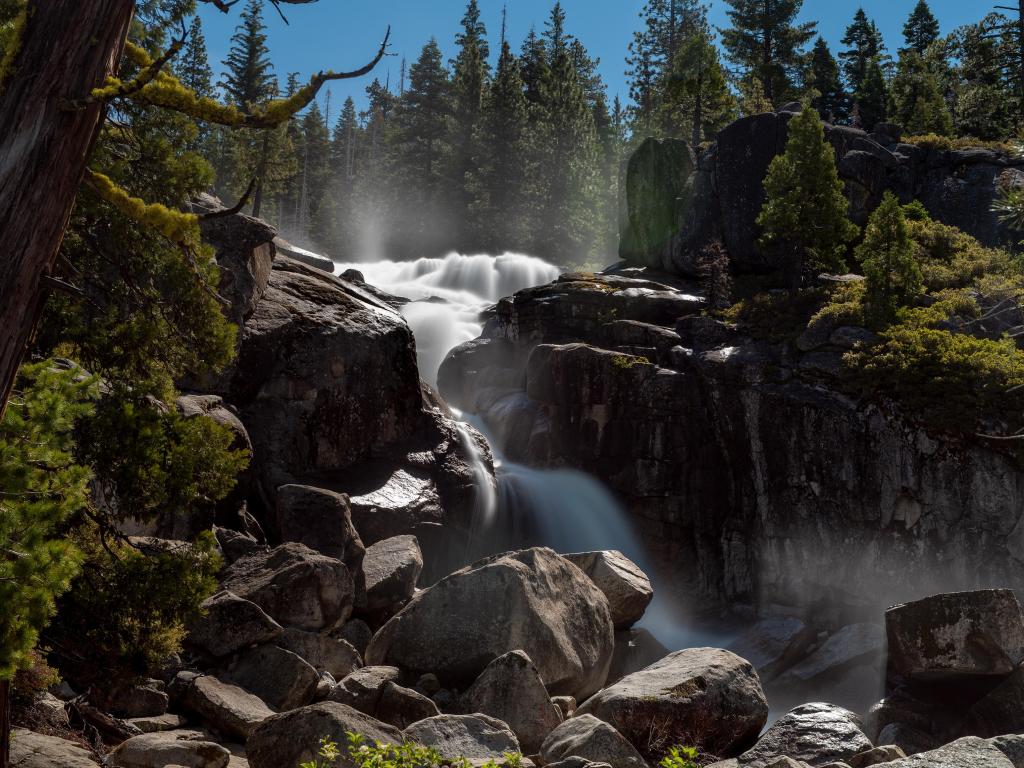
(864, 43)
(831, 101)
(985, 99)
(192, 67)
(921, 29)
(804, 216)
(698, 93)
(249, 79)
(765, 41)
(752, 100)
(887, 258)
(919, 105)
(314, 173)
(872, 99)
(534, 64)
(340, 197)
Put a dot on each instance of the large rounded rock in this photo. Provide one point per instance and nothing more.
(288, 739)
(320, 519)
(511, 690)
(226, 708)
(392, 567)
(817, 734)
(532, 600)
(295, 585)
(627, 588)
(474, 737)
(35, 750)
(280, 678)
(229, 624)
(587, 737)
(157, 750)
(324, 652)
(703, 697)
(969, 752)
(956, 635)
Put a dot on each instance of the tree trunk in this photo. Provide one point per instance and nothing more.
(5, 723)
(68, 47)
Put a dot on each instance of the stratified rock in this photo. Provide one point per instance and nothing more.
(474, 737)
(224, 707)
(817, 734)
(157, 750)
(953, 635)
(343, 347)
(288, 739)
(34, 750)
(295, 585)
(532, 600)
(376, 692)
(587, 737)
(324, 652)
(635, 649)
(627, 588)
(773, 644)
(230, 624)
(969, 752)
(703, 697)
(392, 567)
(321, 520)
(511, 690)
(279, 677)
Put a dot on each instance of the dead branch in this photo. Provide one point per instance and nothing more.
(233, 209)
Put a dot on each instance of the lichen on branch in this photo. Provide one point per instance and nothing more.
(182, 228)
(149, 70)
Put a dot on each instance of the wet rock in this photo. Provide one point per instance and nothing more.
(402, 505)
(294, 585)
(157, 750)
(230, 624)
(635, 649)
(956, 635)
(392, 567)
(321, 520)
(324, 652)
(968, 752)
(704, 697)
(293, 737)
(587, 737)
(627, 588)
(532, 600)
(773, 644)
(226, 708)
(34, 750)
(817, 734)
(474, 737)
(315, 260)
(279, 677)
(511, 690)
(376, 692)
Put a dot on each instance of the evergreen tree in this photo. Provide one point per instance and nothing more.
(831, 101)
(864, 43)
(340, 198)
(192, 67)
(765, 41)
(314, 217)
(921, 29)
(985, 99)
(919, 105)
(249, 80)
(752, 100)
(698, 93)
(804, 215)
(534, 64)
(887, 259)
(872, 99)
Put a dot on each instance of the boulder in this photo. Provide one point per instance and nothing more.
(321, 520)
(392, 567)
(403, 505)
(855, 645)
(875, 756)
(288, 739)
(224, 707)
(627, 588)
(356, 632)
(587, 737)
(235, 544)
(911, 740)
(280, 678)
(143, 700)
(703, 697)
(511, 690)
(376, 692)
(773, 644)
(968, 752)
(817, 734)
(956, 635)
(34, 750)
(324, 652)
(1001, 710)
(532, 600)
(229, 624)
(157, 750)
(474, 737)
(635, 649)
(1012, 746)
(323, 263)
(169, 721)
(295, 585)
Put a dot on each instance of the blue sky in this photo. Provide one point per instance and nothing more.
(335, 34)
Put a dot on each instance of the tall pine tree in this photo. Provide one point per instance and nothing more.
(872, 98)
(917, 96)
(698, 93)
(831, 99)
(864, 43)
(921, 29)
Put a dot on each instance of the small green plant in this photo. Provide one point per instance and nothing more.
(326, 757)
(679, 757)
(407, 755)
(628, 362)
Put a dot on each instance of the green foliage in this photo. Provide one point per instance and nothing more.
(1009, 207)
(950, 258)
(934, 141)
(43, 486)
(887, 258)
(804, 215)
(872, 97)
(406, 755)
(831, 101)
(679, 757)
(777, 315)
(845, 306)
(864, 44)
(248, 80)
(922, 28)
(697, 94)
(918, 97)
(986, 98)
(128, 610)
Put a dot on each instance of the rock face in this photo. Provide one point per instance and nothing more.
(817, 734)
(635, 649)
(293, 737)
(587, 737)
(627, 588)
(704, 697)
(231, 624)
(511, 690)
(474, 737)
(295, 585)
(533, 600)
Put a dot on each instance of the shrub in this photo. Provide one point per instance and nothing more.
(934, 141)
(845, 307)
(950, 258)
(407, 755)
(679, 757)
(713, 271)
(776, 315)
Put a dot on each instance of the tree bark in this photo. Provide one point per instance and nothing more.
(5, 723)
(67, 48)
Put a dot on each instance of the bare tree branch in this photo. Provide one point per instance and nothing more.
(233, 209)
